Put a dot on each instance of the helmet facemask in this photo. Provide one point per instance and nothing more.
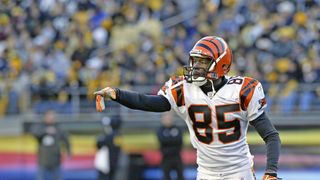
(199, 74)
(217, 55)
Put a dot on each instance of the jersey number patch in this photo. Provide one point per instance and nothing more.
(202, 123)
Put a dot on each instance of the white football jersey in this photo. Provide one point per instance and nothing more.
(218, 122)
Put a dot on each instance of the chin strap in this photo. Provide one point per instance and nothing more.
(208, 89)
(213, 90)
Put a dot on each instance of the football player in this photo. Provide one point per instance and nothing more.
(217, 110)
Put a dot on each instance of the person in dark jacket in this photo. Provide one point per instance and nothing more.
(170, 138)
(106, 145)
(50, 137)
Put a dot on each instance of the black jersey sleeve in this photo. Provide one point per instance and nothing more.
(135, 100)
(271, 137)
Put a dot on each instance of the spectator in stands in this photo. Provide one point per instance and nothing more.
(108, 152)
(171, 142)
(41, 37)
(50, 137)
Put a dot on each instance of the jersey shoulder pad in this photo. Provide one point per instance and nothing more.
(173, 81)
(177, 90)
(246, 92)
(236, 80)
(176, 79)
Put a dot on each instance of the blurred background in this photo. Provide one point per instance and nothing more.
(55, 53)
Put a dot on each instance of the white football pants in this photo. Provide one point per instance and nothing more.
(244, 175)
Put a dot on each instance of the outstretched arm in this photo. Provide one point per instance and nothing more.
(135, 100)
(271, 137)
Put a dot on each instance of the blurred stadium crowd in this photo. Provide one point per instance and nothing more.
(51, 48)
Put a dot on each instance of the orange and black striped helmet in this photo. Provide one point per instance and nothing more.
(217, 51)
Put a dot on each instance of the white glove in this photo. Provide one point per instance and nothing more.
(107, 92)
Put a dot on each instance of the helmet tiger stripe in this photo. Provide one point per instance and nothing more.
(217, 51)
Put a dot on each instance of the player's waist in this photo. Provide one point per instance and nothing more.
(234, 149)
(212, 169)
(232, 156)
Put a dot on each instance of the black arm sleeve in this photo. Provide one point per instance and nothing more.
(135, 100)
(271, 137)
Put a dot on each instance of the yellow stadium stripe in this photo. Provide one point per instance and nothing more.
(28, 144)
(85, 144)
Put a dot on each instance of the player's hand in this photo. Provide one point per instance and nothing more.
(270, 176)
(107, 92)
